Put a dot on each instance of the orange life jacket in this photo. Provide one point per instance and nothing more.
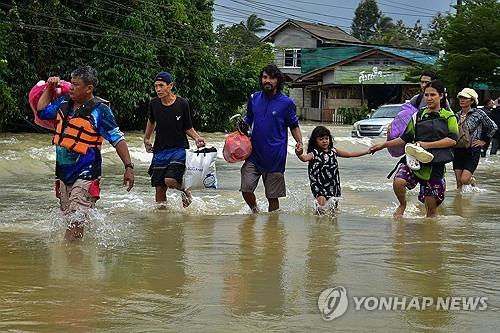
(76, 133)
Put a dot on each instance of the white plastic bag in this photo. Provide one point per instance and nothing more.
(200, 169)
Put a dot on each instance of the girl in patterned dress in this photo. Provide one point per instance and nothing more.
(323, 168)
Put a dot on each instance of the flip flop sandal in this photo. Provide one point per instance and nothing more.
(418, 152)
(473, 182)
(187, 198)
(412, 162)
(241, 125)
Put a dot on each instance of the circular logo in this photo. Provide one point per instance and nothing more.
(209, 181)
(333, 303)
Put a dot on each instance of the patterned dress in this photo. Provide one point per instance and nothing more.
(324, 174)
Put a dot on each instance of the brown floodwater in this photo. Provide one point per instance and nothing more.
(214, 267)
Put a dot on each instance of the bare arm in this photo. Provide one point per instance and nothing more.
(46, 97)
(150, 127)
(297, 135)
(299, 151)
(304, 157)
(345, 153)
(198, 139)
(442, 143)
(392, 143)
(128, 176)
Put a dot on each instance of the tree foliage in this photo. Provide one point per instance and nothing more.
(7, 101)
(472, 44)
(240, 56)
(366, 17)
(400, 35)
(432, 39)
(371, 25)
(253, 24)
(128, 42)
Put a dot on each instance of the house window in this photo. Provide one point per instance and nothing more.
(292, 58)
(315, 98)
(349, 92)
(389, 62)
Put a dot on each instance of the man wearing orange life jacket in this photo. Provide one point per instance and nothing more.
(81, 123)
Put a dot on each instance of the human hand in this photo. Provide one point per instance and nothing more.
(423, 144)
(478, 143)
(200, 142)
(375, 148)
(243, 127)
(148, 145)
(128, 178)
(299, 148)
(54, 81)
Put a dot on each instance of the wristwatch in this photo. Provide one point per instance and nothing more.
(129, 165)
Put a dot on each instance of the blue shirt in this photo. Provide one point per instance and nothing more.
(70, 165)
(270, 117)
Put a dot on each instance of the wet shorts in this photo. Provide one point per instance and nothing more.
(274, 182)
(167, 163)
(81, 195)
(434, 187)
(466, 159)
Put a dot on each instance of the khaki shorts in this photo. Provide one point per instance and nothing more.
(76, 197)
(274, 182)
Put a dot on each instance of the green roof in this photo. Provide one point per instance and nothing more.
(313, 59)
(484, 86)
(416, 56)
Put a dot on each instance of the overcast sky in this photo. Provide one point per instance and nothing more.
(332, 12)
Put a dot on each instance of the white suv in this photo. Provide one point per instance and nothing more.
(377, 123)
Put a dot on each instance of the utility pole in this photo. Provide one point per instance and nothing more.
(459, 7)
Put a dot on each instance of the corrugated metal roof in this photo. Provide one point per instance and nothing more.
(416, 56)
(326, 33)
(312, 59)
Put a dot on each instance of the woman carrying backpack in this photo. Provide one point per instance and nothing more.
(435, 130)
(474, 129)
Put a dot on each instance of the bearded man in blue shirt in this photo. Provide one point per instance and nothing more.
(269, 114)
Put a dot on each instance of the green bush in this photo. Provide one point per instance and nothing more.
(351, 115)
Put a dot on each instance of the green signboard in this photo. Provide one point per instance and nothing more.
(484, 86)
(390, 74)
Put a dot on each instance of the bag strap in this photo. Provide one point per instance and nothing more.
(87, 108)
(462, 124)
(419, 101)
(205, 150)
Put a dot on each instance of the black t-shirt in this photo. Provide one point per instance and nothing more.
(171, 123)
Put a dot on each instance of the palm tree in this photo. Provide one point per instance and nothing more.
(254, 24)
(384, 24)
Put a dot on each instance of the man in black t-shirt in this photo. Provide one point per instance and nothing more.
(171, 117)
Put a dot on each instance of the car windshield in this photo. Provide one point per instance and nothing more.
(387, 111)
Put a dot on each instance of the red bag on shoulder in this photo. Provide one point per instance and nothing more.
(35, 94)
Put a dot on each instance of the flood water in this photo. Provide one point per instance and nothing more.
(214, 267)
